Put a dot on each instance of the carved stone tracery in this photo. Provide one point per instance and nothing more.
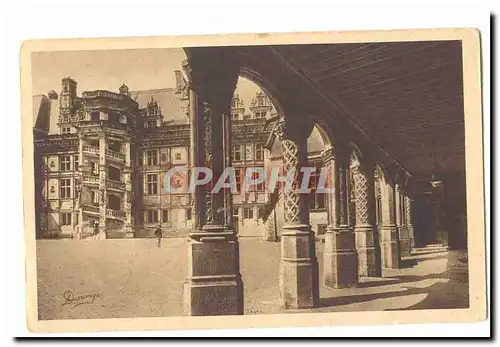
(362, 199)
(207, 139)
(337, 161)
(408, 210)
(291, 162)
(343, 197)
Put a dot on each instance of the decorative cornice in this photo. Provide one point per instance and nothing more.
(56, 143)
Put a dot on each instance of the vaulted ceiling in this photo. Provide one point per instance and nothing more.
(404, 98)
(407, 95)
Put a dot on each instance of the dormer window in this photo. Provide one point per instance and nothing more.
(113, 117)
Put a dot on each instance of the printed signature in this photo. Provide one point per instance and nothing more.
(77, 300)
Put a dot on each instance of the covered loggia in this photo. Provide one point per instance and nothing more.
(356, 102)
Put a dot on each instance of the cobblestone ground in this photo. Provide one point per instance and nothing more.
(135, 278)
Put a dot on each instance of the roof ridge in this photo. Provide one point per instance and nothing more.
(153, 90)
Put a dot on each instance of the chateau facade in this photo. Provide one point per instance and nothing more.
(101, 160)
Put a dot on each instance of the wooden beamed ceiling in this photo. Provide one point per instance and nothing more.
(407, 95)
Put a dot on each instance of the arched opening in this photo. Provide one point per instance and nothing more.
(258, 212)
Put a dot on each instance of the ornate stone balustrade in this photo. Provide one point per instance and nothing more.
(91, 179)
(90, 209)
(115, 155)
(115, 214)
(91, 149)
(115, 185)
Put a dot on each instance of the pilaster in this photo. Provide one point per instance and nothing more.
(299, 277)
(340, 257)
(409, 223)
(79, 226)
(102, 185)
(365, 218)
(389, 246)
(403, 235)
(128, 194)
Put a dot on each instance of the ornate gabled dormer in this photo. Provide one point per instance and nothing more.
(153, 117)
(261, 100)
(70, 105)
(261, 106)
(124, 89)
(68, 101)
(237, 107)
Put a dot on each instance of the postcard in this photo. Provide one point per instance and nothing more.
(257, 180)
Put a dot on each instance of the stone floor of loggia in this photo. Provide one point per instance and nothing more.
(135, 278)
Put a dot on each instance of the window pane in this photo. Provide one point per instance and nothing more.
(152, 184)
(238, 179)
(65, 164)
(152, 157)
(114, 174)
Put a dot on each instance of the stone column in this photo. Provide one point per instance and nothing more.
(404, 239)
(299, 278)
(270, 232)
(340, 258)
(409, 224)
(228, 149)
(213, 285)
(79, 227)
(196, 153)
(102, 185)
(128, 195)
(365, 220)
(389, 229)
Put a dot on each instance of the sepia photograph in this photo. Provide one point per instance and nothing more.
(254, 180)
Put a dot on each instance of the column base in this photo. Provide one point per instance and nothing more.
(129, 231)
(102, 233)
(79, 232)
(340, 258)
(411, 236)
(367, 256)
(270, 232)
(299, 277)
(404, 242)
(412, 243)
(213, 296)
(389, 246)
(214, 286)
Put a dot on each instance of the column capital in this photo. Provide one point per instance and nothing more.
(335, 153)
(288, 128)
(212, 73)
(365, 167)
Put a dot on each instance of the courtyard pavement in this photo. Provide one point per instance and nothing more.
(128, 278)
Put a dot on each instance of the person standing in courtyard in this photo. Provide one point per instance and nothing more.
(158, 235)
